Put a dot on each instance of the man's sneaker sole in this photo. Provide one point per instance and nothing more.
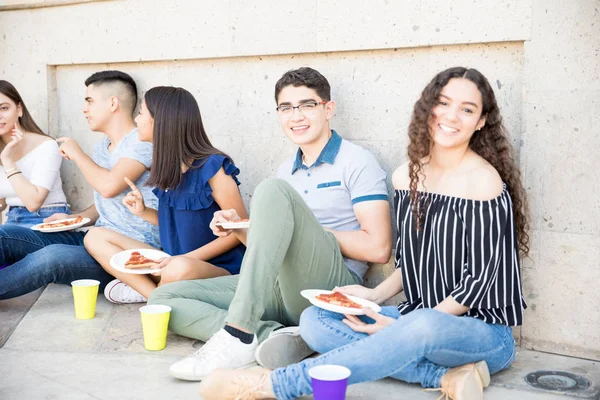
(193, 378)
(279, 351)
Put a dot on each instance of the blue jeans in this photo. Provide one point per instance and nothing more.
(23, 217)
(418, 347)
(37, 259)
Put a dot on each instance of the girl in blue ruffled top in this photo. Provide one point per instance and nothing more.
(192, 180)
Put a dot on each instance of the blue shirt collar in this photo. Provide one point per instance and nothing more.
(327, 155)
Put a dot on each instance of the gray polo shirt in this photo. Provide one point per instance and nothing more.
(344, 174)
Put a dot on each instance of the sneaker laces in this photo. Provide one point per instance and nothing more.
(129, 294)
(214, 346)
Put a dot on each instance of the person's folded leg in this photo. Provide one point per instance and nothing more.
(289, 249)
(57, 263)
(199, 308)
(16, 242)
(324, 330)
(420, 347)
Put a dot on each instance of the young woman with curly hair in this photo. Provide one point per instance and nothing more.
(462, 226)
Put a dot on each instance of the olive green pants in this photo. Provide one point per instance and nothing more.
(287, 251)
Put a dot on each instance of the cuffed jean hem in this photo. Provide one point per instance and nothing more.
(278, 376)
(435, 380)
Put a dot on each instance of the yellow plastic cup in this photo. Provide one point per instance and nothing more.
(85, 293)
(155, 323)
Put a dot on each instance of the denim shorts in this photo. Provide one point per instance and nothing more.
(23, 217)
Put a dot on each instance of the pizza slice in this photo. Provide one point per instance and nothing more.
(338, 299)
(75, 221)
(61, 224)
(138, 261)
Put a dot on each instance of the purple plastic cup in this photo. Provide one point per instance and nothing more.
(329, 382)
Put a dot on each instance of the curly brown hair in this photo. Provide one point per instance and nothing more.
(491, 142)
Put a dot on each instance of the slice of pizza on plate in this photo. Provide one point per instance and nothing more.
(61, 224)
(338, 299)
(137, 261)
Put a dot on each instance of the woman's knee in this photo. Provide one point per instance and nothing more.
(424, 324)
(169, 276)
(309, 325)
(175, 271)
(316, 324)
(94, 237)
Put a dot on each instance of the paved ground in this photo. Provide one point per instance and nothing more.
(48, 354)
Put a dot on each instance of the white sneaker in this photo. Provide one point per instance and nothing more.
(221, 351)
(120, 293)
(283, 347)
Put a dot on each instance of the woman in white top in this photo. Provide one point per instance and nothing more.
(30, 183)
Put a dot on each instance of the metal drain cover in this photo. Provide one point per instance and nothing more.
(557, 381)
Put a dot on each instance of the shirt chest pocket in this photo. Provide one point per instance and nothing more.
(332, 194)
(326, 185)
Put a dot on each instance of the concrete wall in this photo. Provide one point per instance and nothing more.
(378, 55)
(560, 162)
(373, 90)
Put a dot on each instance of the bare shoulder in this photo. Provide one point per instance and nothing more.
(34, 140)
(221, 179)
(485, 181)
(400, 178)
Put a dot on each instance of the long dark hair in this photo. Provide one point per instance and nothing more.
(491, 142)
(179, 136)
(26, 121)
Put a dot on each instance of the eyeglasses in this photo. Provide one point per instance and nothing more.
(305, 108)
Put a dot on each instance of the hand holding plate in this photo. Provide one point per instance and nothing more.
(220, 217)
(357, 325)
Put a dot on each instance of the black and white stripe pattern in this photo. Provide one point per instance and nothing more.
(467, 249)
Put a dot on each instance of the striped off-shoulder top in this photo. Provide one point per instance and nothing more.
(467, 249)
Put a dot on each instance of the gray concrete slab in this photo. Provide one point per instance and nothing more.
(52, 355)
(12, 312)
(531, 361)
(113, 329)
(82, 375)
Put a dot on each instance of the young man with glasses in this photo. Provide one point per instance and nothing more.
(315, 226)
